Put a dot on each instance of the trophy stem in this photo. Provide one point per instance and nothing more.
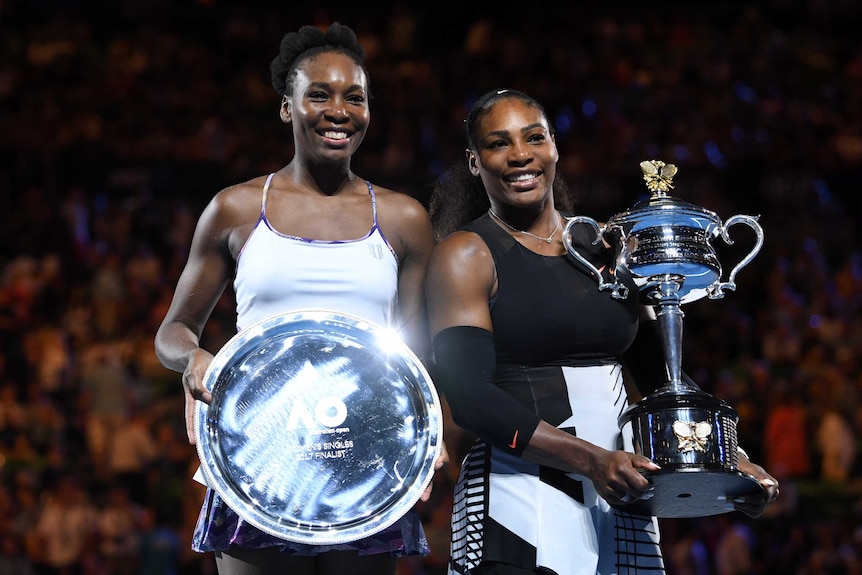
(670, 317)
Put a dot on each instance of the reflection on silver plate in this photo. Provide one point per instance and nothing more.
(323, 428)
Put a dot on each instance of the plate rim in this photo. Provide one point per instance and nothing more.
(361, 529)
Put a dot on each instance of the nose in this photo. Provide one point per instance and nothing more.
(337, 112)
(520, 154)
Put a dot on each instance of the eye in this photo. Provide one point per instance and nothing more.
(318, 96)
(537, 138)
(356, 99)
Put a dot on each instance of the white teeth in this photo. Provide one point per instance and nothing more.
(335, 135)
(523, 177)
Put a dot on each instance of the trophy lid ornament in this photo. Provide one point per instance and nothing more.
(658, 175)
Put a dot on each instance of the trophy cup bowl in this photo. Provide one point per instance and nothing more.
(665, 245)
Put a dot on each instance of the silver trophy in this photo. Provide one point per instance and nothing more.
(664, 244)
(323, 428)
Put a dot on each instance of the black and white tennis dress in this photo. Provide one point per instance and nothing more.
(558, 342)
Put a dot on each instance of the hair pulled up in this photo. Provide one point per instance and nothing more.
(309, 41)
(486, 102)
(457, 196)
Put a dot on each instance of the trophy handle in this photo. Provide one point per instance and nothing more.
(618, 290)
(716, 291)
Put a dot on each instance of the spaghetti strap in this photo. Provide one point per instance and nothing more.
(263, 199)
(373, 202)
(264, 219)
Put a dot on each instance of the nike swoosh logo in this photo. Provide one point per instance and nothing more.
(514, 443)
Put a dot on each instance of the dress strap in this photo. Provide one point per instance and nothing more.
(496, 238)
(265, 190)
(373, 201)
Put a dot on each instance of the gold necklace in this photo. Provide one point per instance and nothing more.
(547, 240)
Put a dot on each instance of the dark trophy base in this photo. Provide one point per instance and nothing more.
(693, 493)
(692, 436)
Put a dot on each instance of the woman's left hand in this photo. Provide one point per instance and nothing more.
(442, 460)
(754, 505)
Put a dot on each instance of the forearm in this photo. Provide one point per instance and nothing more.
(463, 368)
(413, 330)
(552, 447)
(412, 318)
(175, 345)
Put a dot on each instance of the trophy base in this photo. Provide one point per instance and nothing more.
(693, 492)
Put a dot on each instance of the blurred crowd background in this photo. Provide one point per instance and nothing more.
(120, 119)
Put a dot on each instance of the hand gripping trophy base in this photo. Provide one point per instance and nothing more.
(692, 436)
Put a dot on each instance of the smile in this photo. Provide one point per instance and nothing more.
(335, 135)
(523, 177)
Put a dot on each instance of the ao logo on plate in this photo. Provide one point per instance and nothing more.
(329, 412)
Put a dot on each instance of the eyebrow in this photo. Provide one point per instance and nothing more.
(524, 129)
(328, 86)
(533, 127)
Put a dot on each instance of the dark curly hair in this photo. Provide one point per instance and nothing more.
(309, 41)
(457, 196)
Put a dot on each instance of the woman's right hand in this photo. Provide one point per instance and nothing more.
(615, 474)
(617, 479)
(193, 388)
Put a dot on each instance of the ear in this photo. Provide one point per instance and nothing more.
(284, 112)
(472, 163)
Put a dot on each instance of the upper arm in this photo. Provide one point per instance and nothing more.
(459, 283)
(407, 227)
(206, 272)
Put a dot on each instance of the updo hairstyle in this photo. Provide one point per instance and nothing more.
(309, 41)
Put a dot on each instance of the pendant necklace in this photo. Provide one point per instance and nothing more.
(547, 240)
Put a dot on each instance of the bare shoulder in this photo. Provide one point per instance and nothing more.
(241, 197)
(392, 203)
(460, 247)
(237, 204)
(405, 223)
(230, 215)
(462, 259)
(460, 281)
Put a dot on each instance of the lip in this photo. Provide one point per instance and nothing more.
(518, 179)
(342, 139)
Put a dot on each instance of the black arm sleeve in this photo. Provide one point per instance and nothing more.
(463, 369)
(644, 359)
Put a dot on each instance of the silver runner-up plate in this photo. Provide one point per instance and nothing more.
(323, 428)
